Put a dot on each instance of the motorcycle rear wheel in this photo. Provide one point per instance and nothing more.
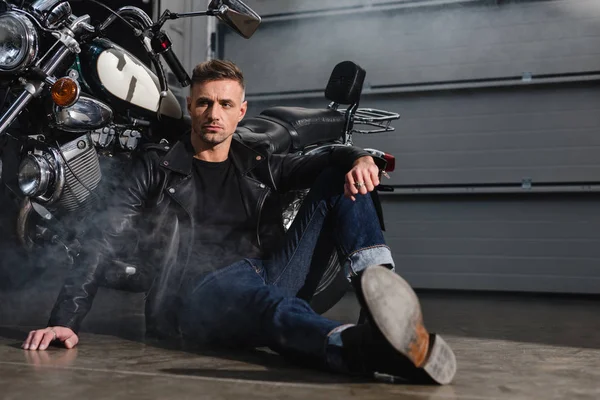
(332, 286)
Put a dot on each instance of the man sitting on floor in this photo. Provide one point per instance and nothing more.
(225, 272)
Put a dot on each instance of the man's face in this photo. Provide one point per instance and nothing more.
(216, 107)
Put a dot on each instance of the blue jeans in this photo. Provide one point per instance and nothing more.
(253, 303)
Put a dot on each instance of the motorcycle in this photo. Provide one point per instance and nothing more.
(71, 103)
(83, 102)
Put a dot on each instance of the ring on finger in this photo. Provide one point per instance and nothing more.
(358, 185)
(54, 334)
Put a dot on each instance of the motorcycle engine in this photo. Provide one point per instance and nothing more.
(62, 177)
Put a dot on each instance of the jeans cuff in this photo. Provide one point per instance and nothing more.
(363, 258)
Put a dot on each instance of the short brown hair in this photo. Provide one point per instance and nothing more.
(216, 70)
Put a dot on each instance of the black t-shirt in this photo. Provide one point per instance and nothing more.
(225, 233)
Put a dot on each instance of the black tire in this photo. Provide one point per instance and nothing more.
(332, 287)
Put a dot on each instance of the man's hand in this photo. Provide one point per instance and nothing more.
(362, 178)
(41, 338)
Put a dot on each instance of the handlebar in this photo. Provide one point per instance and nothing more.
(161, 44)
(177, 68)
(139, 14)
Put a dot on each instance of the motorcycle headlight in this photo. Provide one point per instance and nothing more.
(34, 176)
(18, 42)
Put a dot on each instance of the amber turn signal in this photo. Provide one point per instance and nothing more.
(65, 92)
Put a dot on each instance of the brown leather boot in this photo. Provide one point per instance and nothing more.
(394, 341)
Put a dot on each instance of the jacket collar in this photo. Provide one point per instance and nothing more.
(244, 158)
(180, 158)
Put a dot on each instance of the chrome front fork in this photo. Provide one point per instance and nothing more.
(33, 89)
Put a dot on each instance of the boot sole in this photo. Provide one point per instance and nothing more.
(395, 309)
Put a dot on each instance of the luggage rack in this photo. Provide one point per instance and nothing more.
(380, 120)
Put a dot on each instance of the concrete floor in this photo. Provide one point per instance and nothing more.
(508, 347)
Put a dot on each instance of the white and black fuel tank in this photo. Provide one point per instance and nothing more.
(116, 76)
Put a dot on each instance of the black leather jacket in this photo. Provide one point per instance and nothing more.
(153, 215)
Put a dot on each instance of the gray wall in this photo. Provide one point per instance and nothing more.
(404, 46)
(455, 74)
(547, 135)
(498, 163)
(516, 242)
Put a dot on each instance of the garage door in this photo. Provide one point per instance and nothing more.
(498, 156)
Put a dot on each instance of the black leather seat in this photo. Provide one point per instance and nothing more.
(265, 134)
(289, 129)
(307, 126)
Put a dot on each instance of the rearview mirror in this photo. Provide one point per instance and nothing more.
(236, 15)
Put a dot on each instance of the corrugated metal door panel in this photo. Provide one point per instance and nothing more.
(524, 243)
(544, 135)
(270, 7)
(423, 45)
